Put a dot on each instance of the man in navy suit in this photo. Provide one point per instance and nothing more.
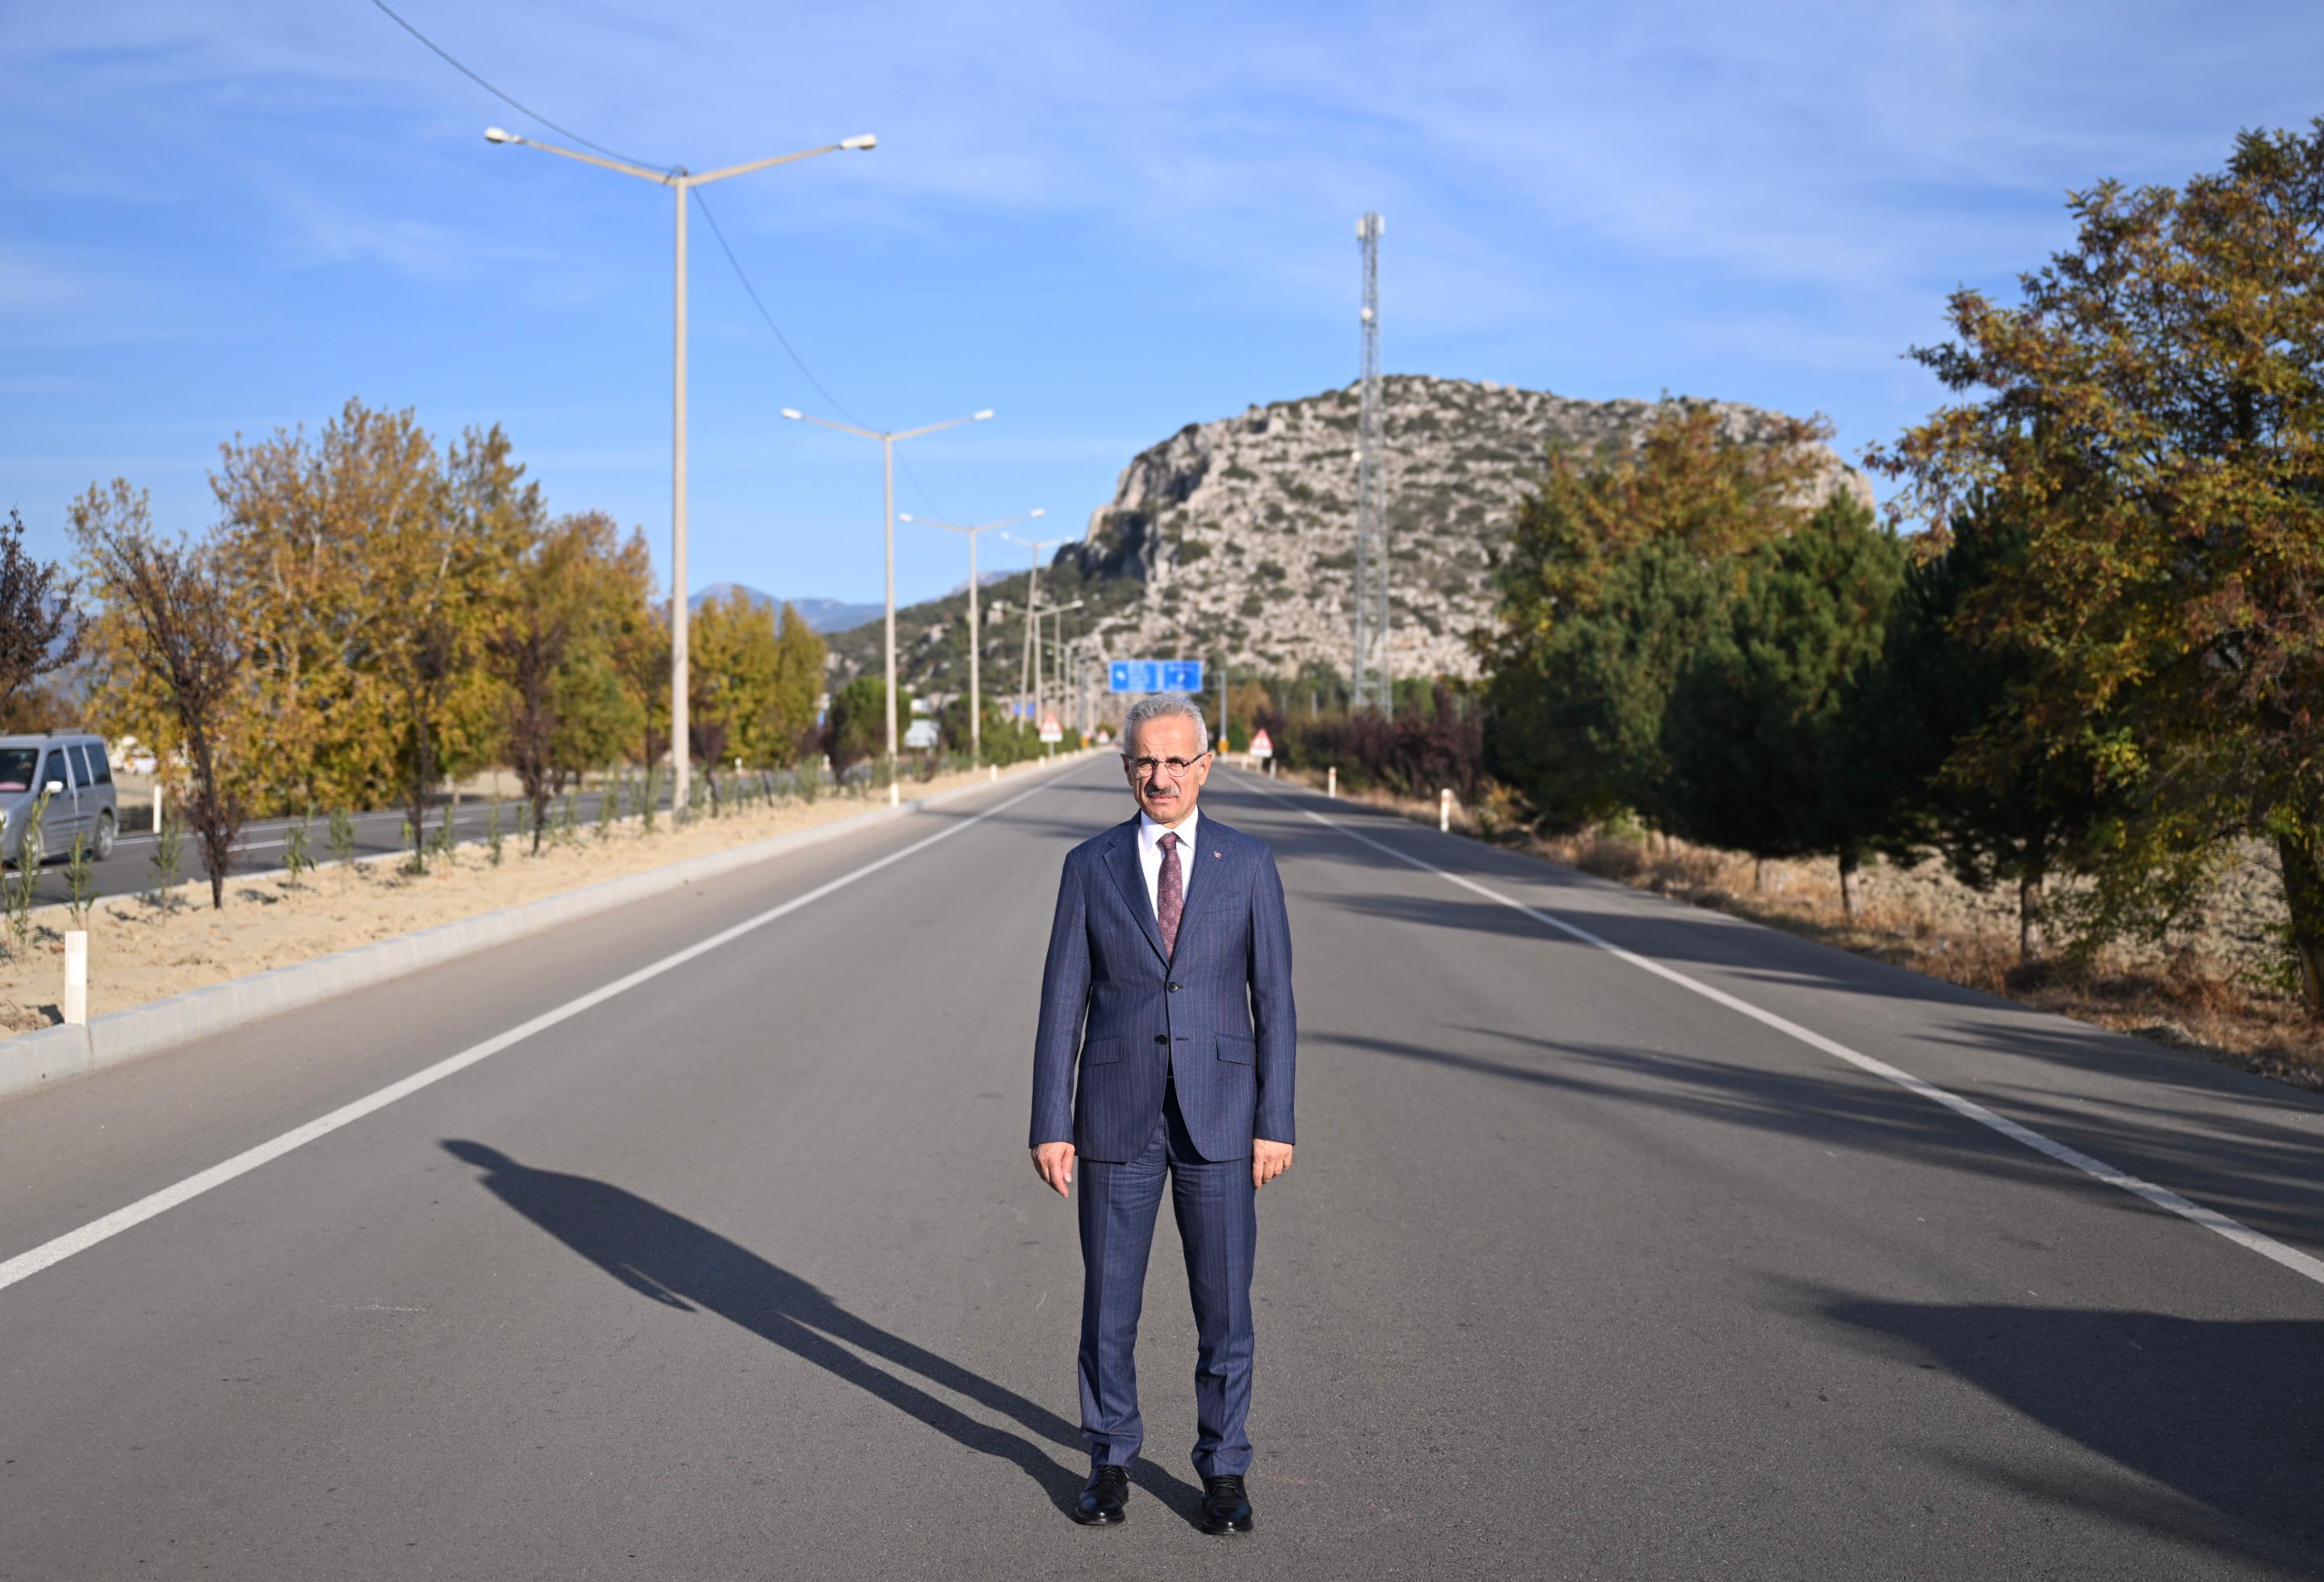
(1168, 985)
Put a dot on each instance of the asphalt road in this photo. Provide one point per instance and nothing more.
(130, 870)
(741, 1270)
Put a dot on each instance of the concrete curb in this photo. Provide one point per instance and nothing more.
(32, 1061)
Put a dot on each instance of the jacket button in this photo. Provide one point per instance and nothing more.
(1174, 988)
(1161, 1038)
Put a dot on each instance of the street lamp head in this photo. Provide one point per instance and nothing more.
(866, 141)
(1037, 510)
(981, 416)
(793, 413)
(903, 516)
(494, 134)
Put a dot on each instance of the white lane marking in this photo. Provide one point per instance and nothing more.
(2210, 1220)
(25, 1264)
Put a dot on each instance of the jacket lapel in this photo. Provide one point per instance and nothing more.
(1121, 861)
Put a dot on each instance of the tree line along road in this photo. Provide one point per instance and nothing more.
(1623, 1240)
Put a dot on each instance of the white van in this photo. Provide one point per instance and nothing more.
(68, 767)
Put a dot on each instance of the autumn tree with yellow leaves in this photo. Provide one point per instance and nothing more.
(753, 676)
(574, 595)
(403, 615)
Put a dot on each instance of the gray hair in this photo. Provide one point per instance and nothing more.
(1163, 706)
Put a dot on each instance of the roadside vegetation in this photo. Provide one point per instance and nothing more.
(374, 616)
(168, 941)
(2089, 682)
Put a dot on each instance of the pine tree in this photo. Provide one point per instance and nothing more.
(1752, 729)
(1578, 721)
(1936, 749)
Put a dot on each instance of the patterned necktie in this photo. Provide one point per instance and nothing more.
(1170, 894)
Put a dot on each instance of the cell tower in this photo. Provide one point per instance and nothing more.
(1369, 678)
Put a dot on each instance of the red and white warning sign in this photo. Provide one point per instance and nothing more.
(1260, 747)
(1050, 729)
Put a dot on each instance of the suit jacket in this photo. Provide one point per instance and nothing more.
(1216, 1014)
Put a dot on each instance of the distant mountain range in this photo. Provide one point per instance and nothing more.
(820, 614)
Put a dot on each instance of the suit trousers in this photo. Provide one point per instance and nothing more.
(1216, 1207)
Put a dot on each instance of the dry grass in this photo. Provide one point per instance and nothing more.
(2209, 1002)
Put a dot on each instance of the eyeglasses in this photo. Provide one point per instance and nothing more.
(1176, 767)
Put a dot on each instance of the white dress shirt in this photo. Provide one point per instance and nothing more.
(1149, 857)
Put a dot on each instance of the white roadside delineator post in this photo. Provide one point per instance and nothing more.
(76, 978)
(1444, 810)
(1331, 782)
(991, 772)
(157, 807)
(895, 794)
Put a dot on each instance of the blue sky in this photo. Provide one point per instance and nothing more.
(1103, 222)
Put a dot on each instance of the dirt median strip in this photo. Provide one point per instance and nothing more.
(292, 948)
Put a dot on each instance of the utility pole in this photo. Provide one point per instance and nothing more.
(1369, 682)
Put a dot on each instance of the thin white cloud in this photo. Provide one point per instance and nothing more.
(40, 282)
(1781, 189)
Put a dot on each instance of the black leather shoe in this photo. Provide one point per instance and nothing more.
(1101, 1500)
(1225, 1507)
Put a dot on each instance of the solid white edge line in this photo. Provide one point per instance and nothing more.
(56, 1250)
(2212, 1220)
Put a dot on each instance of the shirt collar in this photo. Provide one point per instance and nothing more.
(1149, 833)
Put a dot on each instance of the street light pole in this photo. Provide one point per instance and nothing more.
(681, 611)
(1040, 686)
(887, 532)
(681, 183)
(975, 644)
(1028, 666)
(887, 439)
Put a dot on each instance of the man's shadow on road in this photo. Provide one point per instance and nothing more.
(673, 1261)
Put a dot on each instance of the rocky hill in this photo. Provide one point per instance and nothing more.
(1234, 538)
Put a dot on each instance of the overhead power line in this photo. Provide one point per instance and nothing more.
(449, 60)
(800, 363)
(752, 292)
(732, 261)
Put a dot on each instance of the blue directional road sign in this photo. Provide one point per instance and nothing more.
(1155, 676)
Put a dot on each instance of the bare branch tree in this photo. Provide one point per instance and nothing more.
(178, 627)
(707, 739)
(527, 652)
(429, 663)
